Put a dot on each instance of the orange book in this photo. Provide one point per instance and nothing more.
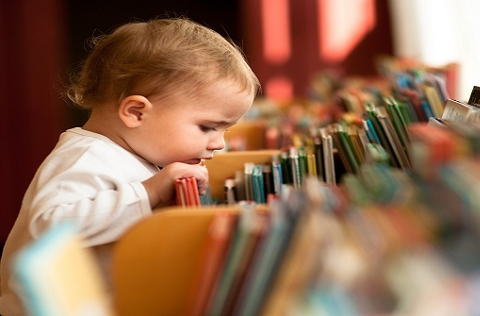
(193, 196)
(187, 192)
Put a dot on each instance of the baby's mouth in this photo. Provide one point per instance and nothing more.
(193, 161)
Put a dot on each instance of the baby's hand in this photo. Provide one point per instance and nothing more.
(161, 187)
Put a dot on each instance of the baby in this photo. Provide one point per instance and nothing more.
(161, 95)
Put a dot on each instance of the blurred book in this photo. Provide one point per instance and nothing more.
(474, 98)
(213, 258)
(57, 276)
(456, 110)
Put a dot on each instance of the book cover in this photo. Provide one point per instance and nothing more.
(456, 110)
(57, 276)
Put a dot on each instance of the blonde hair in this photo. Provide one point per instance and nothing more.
(160, 57)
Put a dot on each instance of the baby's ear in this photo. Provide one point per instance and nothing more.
(132, 110)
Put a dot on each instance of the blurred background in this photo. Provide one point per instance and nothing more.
(286, 42)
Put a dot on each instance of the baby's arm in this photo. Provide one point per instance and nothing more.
(160, 187)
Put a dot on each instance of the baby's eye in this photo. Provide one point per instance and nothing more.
(205, 128)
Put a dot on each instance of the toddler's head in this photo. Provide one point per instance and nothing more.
(158, 58)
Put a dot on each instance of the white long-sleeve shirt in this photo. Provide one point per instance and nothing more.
(87, 178)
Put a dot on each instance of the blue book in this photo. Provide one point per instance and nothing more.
(258, 185)
(427, 110)
(277, 174)
(56, 276)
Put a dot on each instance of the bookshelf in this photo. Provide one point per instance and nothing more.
(225, 164)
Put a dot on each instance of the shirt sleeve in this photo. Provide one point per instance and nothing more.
(104, 199)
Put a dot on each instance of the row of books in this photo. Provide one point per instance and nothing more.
(381, 134)
(404, 92)
(429, 149)
(354, 242)
(327, 153)
(286, 171)
(341, 149)
(318, 251)
(395, 234)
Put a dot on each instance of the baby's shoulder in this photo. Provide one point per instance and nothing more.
(77, 146)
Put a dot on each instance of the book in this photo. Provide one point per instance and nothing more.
(312, 165)
(277, 175)
(212, 259)
(358, 143)
(56, 275)
(398, 121)
(248, 176)
(239, 181)
(370, 131)
(302, 163)
(319, 157)
(456, 110)
(187, 192)
(433, 99)
(268, 181)
(439, 82)
(295, 167)
(474, 98)
(400, 151)
(258, 184)
(407, 111)
(384, 141)
(328, 157)
(230, 192)
(411, 105)
(341, 150)
(286, 167)
(431, 147)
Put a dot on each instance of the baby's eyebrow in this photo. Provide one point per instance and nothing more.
(220, 123)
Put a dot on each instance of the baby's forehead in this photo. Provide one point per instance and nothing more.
(189, 92)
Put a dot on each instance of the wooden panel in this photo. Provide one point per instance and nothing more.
(155, 261)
